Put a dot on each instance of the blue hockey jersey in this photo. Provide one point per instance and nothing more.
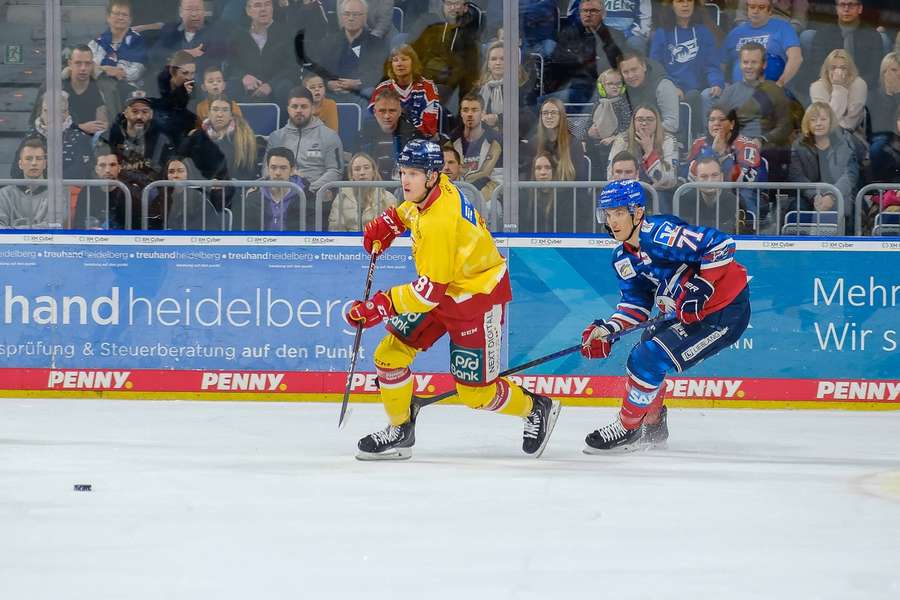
(670, 252)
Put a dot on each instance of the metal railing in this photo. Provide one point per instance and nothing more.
(58, 208)
(760, 209)
(880, 188)
(490, 213)
(207, 186)
(585, 201)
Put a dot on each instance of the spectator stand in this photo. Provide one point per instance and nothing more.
(263, 117)
(350, 119)
(465, 188)
(23, 69)
(884, 222)
(207, 185)
(795, 222)
(512, 216)
(65, 208)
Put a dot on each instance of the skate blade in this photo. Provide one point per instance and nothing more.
(624, 449)
(551, 423)
(393, 454)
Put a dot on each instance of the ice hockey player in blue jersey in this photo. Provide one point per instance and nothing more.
(685, 270)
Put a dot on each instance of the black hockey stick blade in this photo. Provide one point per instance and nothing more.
(422, 402)
(370, 275)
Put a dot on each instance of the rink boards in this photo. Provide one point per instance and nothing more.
(259, 317)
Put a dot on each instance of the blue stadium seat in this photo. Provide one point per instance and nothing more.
(398, 18)
(685, 116)
(887, 223)
(263, 117)
(810, 222)
(349, 124)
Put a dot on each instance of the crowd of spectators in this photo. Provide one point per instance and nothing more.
(667, 91)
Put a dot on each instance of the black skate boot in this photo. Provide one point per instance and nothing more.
(613, 438)
(392, 442)
(657, 433)
(539, 424)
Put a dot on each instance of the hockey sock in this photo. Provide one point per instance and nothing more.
(396, 387)
(638, 398)
(502, 396)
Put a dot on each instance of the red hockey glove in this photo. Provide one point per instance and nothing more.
(372, 312)
(695, 293)
(381, 231)
(594, 343)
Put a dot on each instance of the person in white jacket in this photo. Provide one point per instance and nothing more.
(355, 207)
(840, 86)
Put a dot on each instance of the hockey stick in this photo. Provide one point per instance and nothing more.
(370, 275)
(423, 402)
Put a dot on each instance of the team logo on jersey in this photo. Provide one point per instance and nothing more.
(646, 226)
(466, 364)
(667, 234)
(405, 324)
(684, 52)
(624, 268)
(763, 40)
(466, 208)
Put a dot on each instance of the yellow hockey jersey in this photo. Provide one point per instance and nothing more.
(455, 255)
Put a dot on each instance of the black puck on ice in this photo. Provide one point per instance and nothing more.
(82, 487)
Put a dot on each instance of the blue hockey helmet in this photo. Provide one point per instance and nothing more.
(421, 154)
(625, 192)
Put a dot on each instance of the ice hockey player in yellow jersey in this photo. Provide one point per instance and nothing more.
(461, 290)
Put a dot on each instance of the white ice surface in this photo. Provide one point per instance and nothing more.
(261, 501)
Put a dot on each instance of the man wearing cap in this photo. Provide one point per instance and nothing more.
(137, 138)
(141, 147)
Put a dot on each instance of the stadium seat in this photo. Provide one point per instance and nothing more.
(887, 223)
(263, 117)
(810, 222)
(349, 124)
(18, 99)
(715, 12)
(398, 19)
(539, 69)
(579, 115)
(14, 122)
(685, 116)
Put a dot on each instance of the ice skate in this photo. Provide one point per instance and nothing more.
(539, 424)
(656, 434)
(394, 442)
(613, 438)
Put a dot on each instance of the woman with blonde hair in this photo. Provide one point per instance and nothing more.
(224, 147)
(884, 101)
(840, 86)
(419, 97)
(825, 153)
(354, 207)
(654, 148)
(554, 137)
(490, 84)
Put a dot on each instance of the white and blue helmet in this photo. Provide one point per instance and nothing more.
(625, 192)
